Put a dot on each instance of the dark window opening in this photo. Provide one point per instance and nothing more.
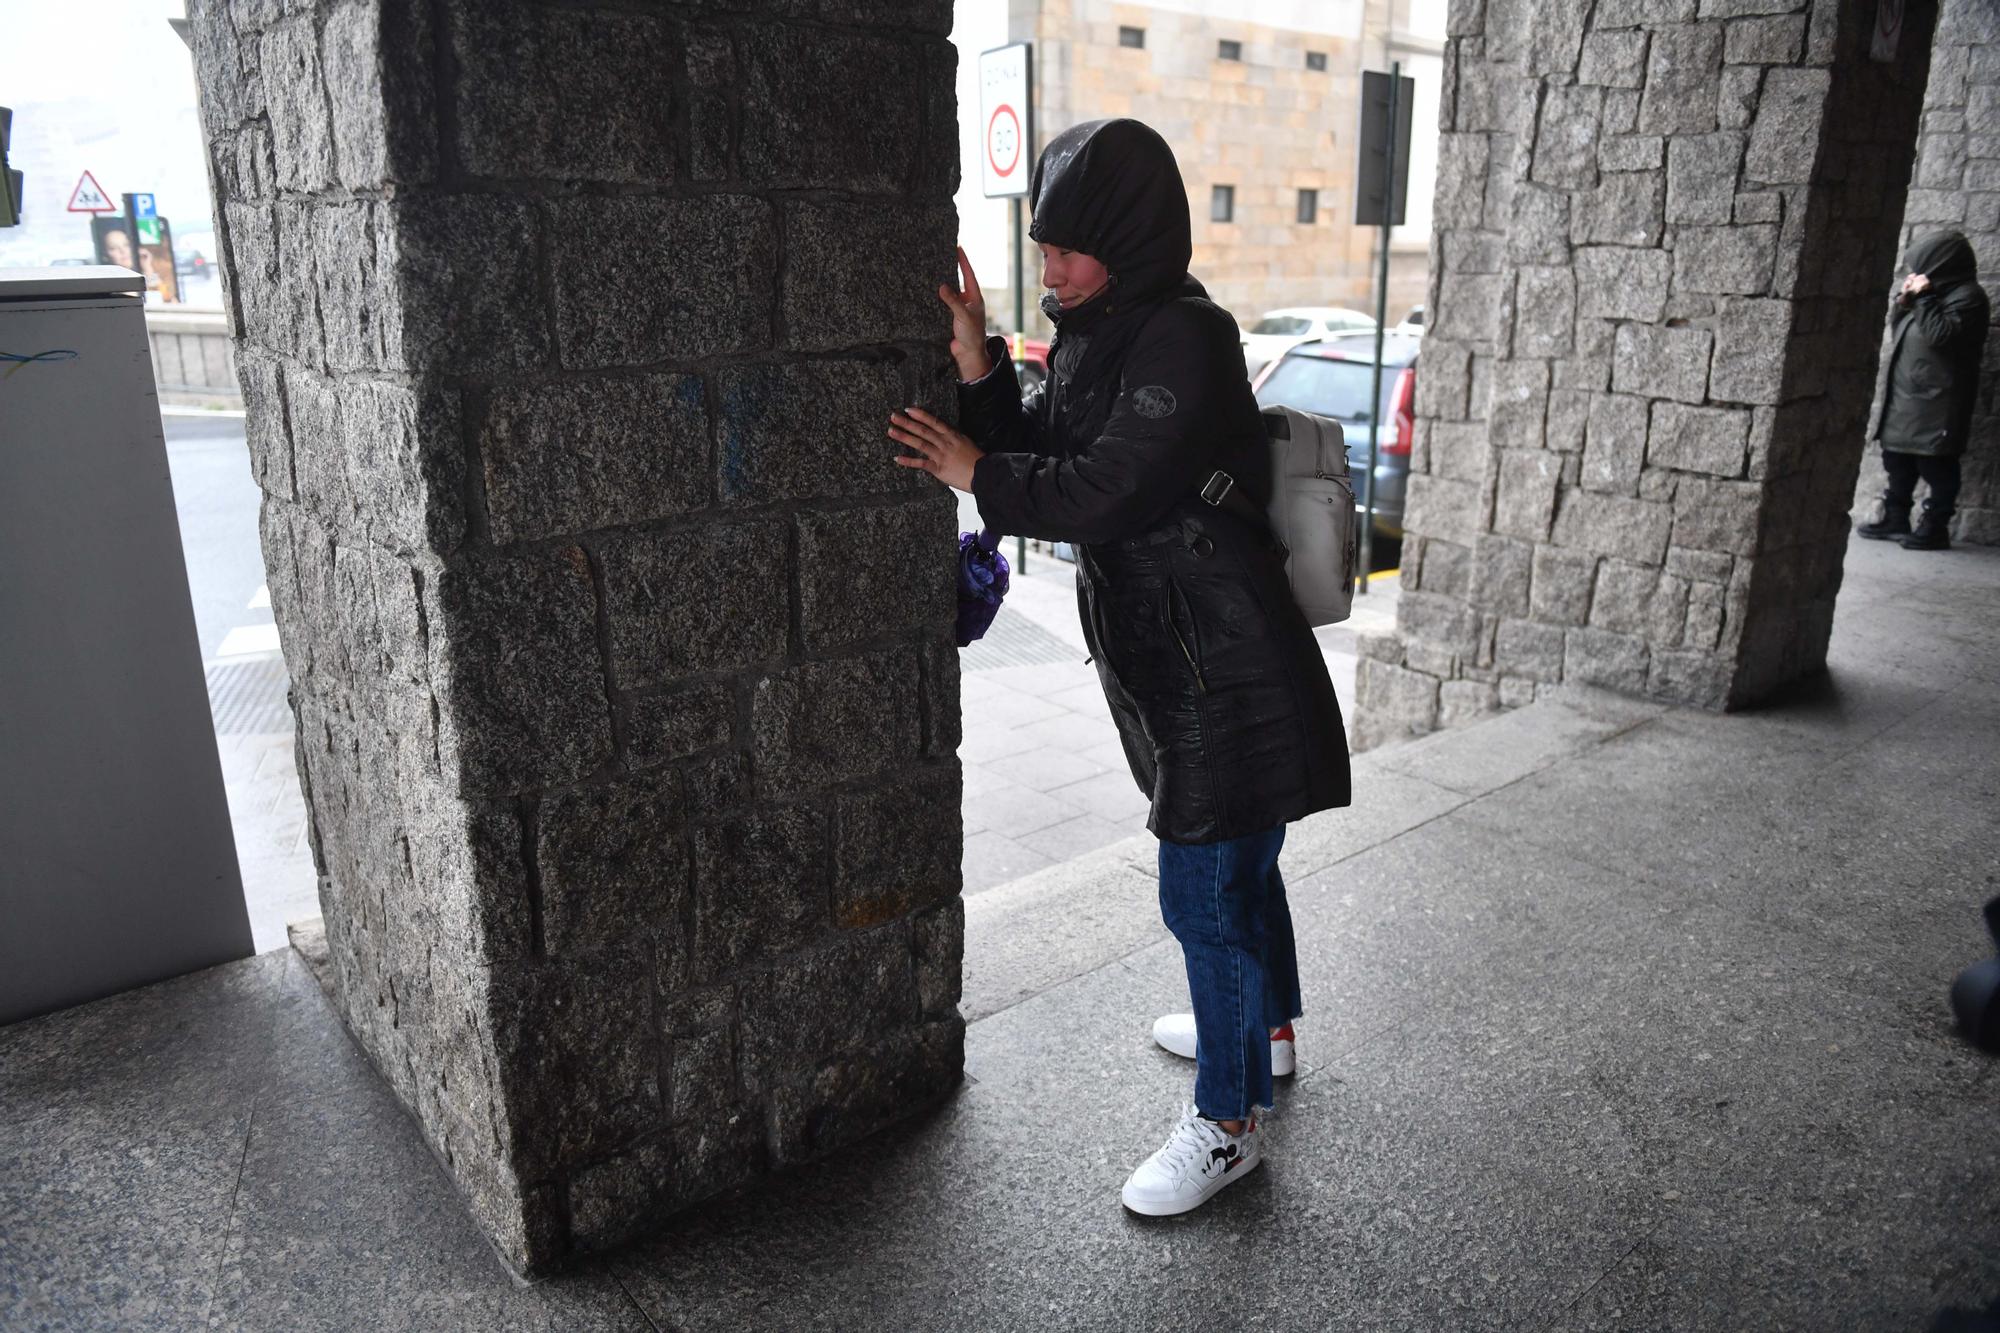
(1226, 50)
(1308, 205)
(1222, 204)
(1316, 60)
(1132, 37)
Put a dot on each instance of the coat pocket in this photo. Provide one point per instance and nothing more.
(1180, 623)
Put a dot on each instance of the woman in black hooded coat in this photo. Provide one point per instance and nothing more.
(1218, 688)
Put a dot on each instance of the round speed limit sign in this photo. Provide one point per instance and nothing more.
(1003, 140)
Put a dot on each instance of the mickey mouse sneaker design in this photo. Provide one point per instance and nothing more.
(1197, 1160)
(1175, 1032)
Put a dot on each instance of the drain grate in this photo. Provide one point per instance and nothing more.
(248, 697)
(1016, 641)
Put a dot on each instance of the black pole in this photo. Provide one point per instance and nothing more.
(1381, 321)
(1020, 333)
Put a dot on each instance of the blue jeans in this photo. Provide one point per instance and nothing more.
(1225, 903)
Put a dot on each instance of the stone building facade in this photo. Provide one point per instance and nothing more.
(1663, 233)
(623, 670)
(1263, 123)
(1957, 188)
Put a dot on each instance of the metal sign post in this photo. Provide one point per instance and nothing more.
(1007, 140)
(1383, 190)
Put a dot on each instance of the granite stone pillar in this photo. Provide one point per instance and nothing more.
(1664, 230)
(626, 697)
(1957, 188)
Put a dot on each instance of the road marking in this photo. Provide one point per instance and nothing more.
(262, 600)
(170, 410)
(1384, 574)
(248, 641)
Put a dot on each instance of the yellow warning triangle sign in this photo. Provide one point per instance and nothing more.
(89, 197)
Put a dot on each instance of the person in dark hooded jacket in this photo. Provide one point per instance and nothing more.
(1219, 691)
(1938, 318)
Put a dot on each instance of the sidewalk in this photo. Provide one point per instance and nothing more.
(1619, 1017)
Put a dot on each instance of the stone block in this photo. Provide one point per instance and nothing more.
(620, 1199)
(266, 425)
(1432, 659)
(1613, 525)
(1613, 282)
(471, 296)
(1777, 40)
(1698, 678)
(664, 727)
(1468, 308)
(1381, 647)
(861, 273)
(404, 469)
(296, 325)
(1527, 648)
(791, 74)
(1736, 99)
(1698, 439)
(1455, 449)
(1662, 362)
(1683, 67)
(1624, 209)
(565, 94)
(1631, 152)
(1463, 701)
(1623, 600)
(467, 873)
(689, 278)
(847, 1100)
(1393, 700)
(1565, 153)
(869, 573)
(1941, 162)
(1621, 110)
(574, 456)
(1438, 507)
(294, 86)
(1447, 379)
(1473, 252)
(1525, 493)
(1598, 657)
(1729, 9)
(1441, 621)
(1732, 260)
(1613, 59)
(937, 950)
(846, 994)
(514, 656)
(1701, 176)
(760, 890)
(1501, 572)
(708, 599)
(896, 851)
(1589, 374)
(1760, 206)
(1544, 312)
(712, 82)
(613, 864)
(943, 723)
(1519, 400)
(1461, 182)
(575, 1048)
(836, 721)
(1718, 515)
(1538, 230)
(1438, 566)
(1516, 692)
(350, 52)
(1568, 416)
(1784, 139)
(358, 299)
(1641, 13)
(815, 428)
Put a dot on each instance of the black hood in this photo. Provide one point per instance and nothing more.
(1945, 257)
(1111, 190)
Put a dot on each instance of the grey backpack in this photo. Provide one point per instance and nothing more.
(1311, 510)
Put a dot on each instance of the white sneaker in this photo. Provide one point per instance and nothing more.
(1199, 1158)
(1175, 1032)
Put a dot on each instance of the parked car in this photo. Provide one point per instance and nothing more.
(1412, 322)
(1032, 369)
(1332, 378)
(1278, 331)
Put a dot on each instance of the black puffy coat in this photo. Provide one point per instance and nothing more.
(1219, 690)
(1936, 340)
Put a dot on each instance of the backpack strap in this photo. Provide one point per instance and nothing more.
(1221, 492)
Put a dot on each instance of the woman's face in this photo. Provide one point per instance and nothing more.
(1072, 276)
(118, 249)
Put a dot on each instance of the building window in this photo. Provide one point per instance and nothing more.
(1226, 50)
(1222, 204)
(1308, 205)
(1132, 37)
(1316, 60)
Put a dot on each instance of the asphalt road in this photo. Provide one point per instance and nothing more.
(216, 499)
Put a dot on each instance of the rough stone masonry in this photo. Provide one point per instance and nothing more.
(626, 696)
(1957, 188)
(1663, 234)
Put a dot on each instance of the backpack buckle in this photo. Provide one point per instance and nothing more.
(1216, 489)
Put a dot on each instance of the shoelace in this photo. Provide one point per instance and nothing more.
(1191, 1140)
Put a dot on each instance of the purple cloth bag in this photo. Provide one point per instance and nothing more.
(982, 582)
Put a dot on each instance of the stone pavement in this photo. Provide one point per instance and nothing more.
(1619, 1017)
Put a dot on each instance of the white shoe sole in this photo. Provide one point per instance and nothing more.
(1146, 1208)
(1169, 1036)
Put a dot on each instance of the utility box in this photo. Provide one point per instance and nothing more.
(117, 863)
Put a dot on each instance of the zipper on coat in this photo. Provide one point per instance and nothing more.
(1174, 624)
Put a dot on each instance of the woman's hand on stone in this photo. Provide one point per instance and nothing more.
(968, 322)
(946, 454)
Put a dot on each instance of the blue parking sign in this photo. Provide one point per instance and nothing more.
(142, 206)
